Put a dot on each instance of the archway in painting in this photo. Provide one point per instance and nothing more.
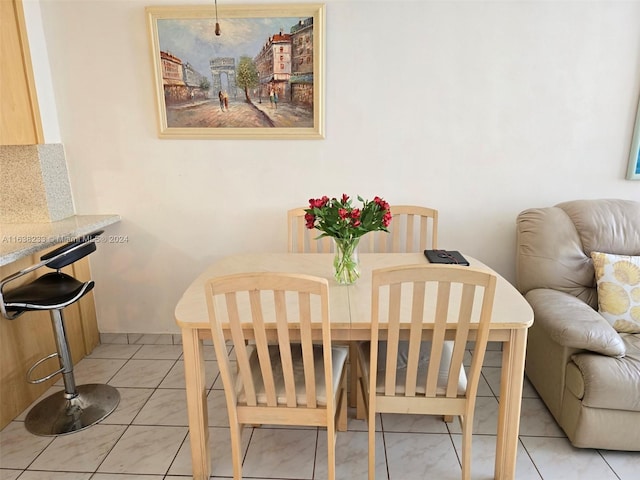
(223, 72)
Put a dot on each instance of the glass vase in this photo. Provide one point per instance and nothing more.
(345, 261)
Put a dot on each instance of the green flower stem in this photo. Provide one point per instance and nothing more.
(345, 261)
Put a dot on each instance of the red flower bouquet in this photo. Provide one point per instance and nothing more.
(345, 223)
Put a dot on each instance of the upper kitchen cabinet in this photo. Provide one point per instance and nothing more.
(20, 122)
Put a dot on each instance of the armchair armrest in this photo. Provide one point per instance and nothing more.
(572, 323)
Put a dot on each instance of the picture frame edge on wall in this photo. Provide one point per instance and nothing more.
(633, 170)
(314, 11)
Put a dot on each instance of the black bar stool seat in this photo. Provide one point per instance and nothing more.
(47, 292)
(77, 406)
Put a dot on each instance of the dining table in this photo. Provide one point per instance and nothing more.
(349, 308)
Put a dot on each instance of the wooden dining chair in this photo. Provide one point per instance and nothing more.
(280, 375)
(405, 374)
(412, 229)
(304, 240)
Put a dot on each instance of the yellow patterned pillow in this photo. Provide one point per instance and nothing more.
(618, 280)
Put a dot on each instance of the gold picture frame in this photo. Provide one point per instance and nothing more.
(262, 77)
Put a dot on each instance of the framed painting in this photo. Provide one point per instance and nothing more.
(633, 173)
(239, 71)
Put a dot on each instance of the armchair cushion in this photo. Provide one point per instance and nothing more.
(618, 281)
(572, 323)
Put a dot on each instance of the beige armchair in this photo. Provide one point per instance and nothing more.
(587, 374)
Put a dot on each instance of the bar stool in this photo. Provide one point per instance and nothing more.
(77, 406)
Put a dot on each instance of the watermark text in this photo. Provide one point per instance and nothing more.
(54, 239)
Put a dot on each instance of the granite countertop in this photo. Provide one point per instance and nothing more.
(18, 240)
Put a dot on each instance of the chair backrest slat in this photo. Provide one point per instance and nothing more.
(408, 245)
(300, 235)
(415, 338)
(424, 225)
(482, 335)
(284, 342)
(439, 330)
(393, 335)
(461, 338)
(395, 235)
(242, 356)
(262, 347)
(307, 349)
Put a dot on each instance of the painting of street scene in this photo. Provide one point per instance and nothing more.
(259, 75)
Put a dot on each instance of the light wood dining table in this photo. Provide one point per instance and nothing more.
(350, 319)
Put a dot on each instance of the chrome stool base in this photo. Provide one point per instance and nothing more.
(57, 415)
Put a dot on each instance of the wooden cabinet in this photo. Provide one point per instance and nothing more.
(30, 337)
(20, 122)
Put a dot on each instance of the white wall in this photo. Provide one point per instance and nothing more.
(41, 71)
(479, 109)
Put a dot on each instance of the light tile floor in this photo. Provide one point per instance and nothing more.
(146, 438)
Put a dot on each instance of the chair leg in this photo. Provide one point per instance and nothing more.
(75, 408)
(372, 442)
(372, 454)
(361, 411)
(236, 448)
(361, 406)
(64, 353)
(353, 374)
(331, 450)
(342, 406)
(467, 426)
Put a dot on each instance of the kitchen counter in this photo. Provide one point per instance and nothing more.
(18, 240)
